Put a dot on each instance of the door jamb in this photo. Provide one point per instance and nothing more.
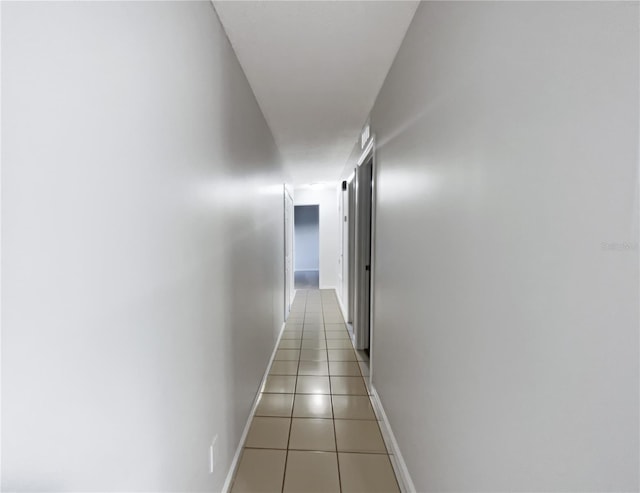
(369, 153)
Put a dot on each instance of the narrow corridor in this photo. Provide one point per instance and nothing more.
(314, 429)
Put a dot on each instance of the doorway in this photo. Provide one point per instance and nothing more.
(307, 246)
(363, 245)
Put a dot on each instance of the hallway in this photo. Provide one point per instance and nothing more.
(472, 168)
(314, 429)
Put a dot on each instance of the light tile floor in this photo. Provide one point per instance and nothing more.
(314, 428)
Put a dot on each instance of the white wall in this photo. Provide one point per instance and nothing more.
(142, 246)
(505, 343)
(327, 199)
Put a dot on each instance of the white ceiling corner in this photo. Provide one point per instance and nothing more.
(316, 68)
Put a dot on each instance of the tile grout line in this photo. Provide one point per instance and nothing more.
(286, 457)
(333, 414)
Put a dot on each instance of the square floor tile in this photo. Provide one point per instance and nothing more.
(337, 334)
(260, 471)
(352, 407)
(279, 405)
(359, 436)
(344, 369)
(339, 344)
(311, 472)
(313, 326)
(268, 433)
(289, 344)
(313, 355)
(312, 406)
(342, 355)
(334, 320)
(293, 326)
(367, 472)
(312, 434)
(348, 386)
(292, 335)
(312, 385)
(282, 384)
(284, 368)
(315, 343)
(335, 327)
(287, 355)
(314, 335)
(318, 368)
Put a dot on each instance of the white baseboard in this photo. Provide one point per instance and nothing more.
(397, 461)
(344, 312)
(226, 488)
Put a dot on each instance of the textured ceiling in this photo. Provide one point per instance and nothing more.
(316, 68)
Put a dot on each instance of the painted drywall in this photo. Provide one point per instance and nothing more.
(505, 344)
(327, 200)
(142, 246)
(307, 237)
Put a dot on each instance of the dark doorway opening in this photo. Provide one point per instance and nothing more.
(307, 247)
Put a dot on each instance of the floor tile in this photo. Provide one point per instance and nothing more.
(313, 325)
(260, 471)
(359, 436)
(311, 472)
(284, 368)
(342, 355)
(275, 405)
(348, 386)
(335, 334)
(344, 369)
(314, 334)
(292, 335)
(334, 327)
(339, 344)
(318, 368)
(312, 385)
(352, 407)
(283, 384)
(287, 355)
(313, 355)
(314, 344)
(268, 433)
(312, 434)
(289, 344)
(324, 415)
(312, 406)
(364, 368)
(371, 473)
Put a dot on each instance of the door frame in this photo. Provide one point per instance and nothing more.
(351, 239)
(289, 288)
(362, 339)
